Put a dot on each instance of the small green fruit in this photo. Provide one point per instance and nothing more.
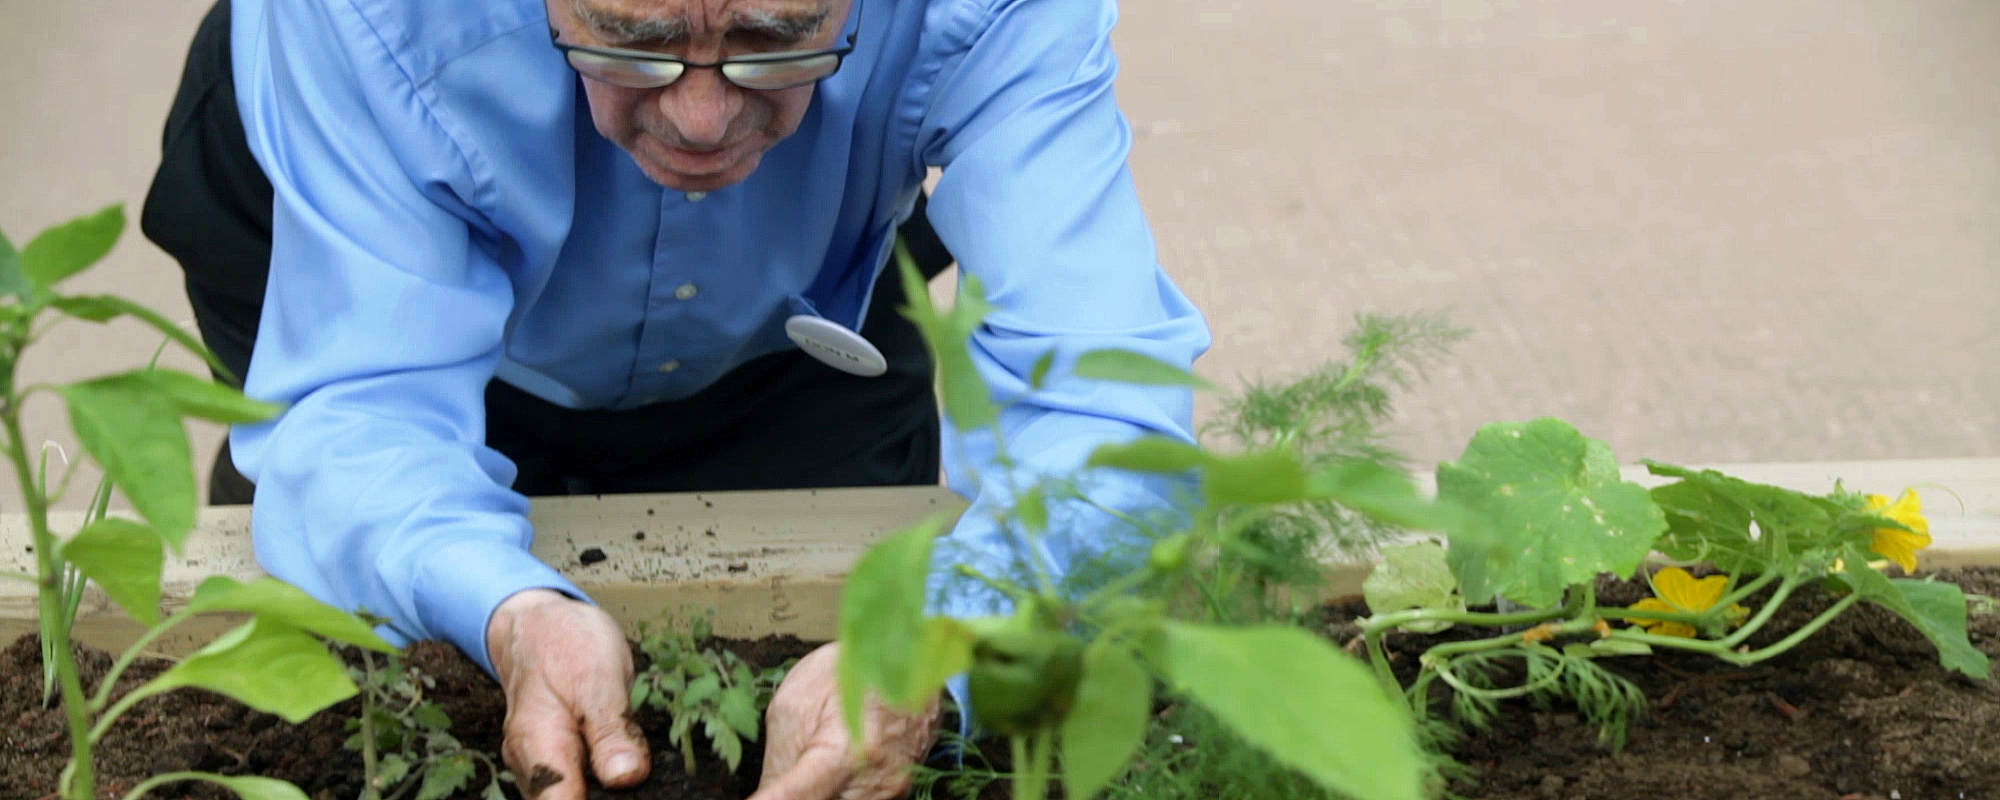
(1023, 679)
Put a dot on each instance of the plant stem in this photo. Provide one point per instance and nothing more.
(130, 655)
(369, 771)
(83, 783)
(1031, 765)
(164, 778)
(1395, 619)
(1792, 640)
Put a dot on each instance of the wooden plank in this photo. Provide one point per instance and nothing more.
(774, 561)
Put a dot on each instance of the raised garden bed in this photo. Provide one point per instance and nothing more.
(1862, 710)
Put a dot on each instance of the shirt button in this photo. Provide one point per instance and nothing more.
(686, 291)
(670, 366)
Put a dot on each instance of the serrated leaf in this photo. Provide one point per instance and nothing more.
(1126, 366)
(391, 770)
(1277, 687)
(1553, 510)
(1380, 491)
(431, 717)
(1108, 723)
(68, 248)
(1148, 454)
(740, 713)
(445, 776)
(882, 618)
(273, 599)
(251, 787)
(136, 435)
(1260, 476)
(1710, 516)
(493, 792)
(1039, 376)
(701, 690)
(104, 307)
(266, 665)
(205, 399)
(1413, 575)
(726, 745)
(125, 559)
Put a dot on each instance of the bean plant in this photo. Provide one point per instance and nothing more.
(1068, 678)
(131, 424)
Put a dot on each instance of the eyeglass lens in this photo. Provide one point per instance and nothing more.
(756, 75)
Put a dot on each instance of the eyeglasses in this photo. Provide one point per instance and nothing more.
(764, 72)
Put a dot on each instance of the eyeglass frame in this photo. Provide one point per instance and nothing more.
(839, 53)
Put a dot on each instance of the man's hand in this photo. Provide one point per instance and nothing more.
(568, 676)
(807, 753)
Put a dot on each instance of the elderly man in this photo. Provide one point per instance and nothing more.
(521, 248)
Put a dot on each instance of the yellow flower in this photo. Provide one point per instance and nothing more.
(1679, 592)
(1900, 545)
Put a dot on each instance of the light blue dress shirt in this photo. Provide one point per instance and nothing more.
(446, 213)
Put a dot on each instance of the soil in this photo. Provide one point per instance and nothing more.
(1861, 711)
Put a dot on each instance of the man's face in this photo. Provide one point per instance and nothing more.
(701, 132)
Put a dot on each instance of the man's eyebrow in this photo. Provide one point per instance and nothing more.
(783, 26)
(618, 28)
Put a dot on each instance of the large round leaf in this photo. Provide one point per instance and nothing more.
(1556, 512)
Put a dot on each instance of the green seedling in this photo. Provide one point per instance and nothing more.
(405, 740)
(705, 688)
(131, 424)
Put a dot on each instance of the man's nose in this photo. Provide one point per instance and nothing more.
(700, 106)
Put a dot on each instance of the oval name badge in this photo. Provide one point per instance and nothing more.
(835, 346)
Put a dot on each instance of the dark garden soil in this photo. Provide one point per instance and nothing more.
(1861, 711)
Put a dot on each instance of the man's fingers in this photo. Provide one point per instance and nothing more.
(819, 774)
(617, 746)
(544, 751)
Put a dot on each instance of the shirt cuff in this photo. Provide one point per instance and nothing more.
(460, 585)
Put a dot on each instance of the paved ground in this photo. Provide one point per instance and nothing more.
(1710, 230)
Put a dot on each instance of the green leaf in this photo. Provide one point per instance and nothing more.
(1148, 454)
(493, 791)
(1710, 515)
(445, 776)
(251, 787)
(1938, 609)
(431, 717)
(270, 598)
(1293, 695)
(104, 307)
(68, 248)
(1260, 476)
(391, 770)
(882, 621)
(136, 434)
(967, 401)
(1413, 575)
(1380, 491)
(266, 665)
(726, 744)
(205, 399)
(740, 713)
(12, 281)
(1108, 722)
(1032, 508)
(1039, 377)
(124, 557)
(1554, 512)
(1126, 366)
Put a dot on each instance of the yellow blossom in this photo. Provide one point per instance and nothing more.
(1900, 545)
(1679, 592)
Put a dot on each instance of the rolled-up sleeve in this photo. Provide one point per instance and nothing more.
(382, 324)
(1037, 200)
